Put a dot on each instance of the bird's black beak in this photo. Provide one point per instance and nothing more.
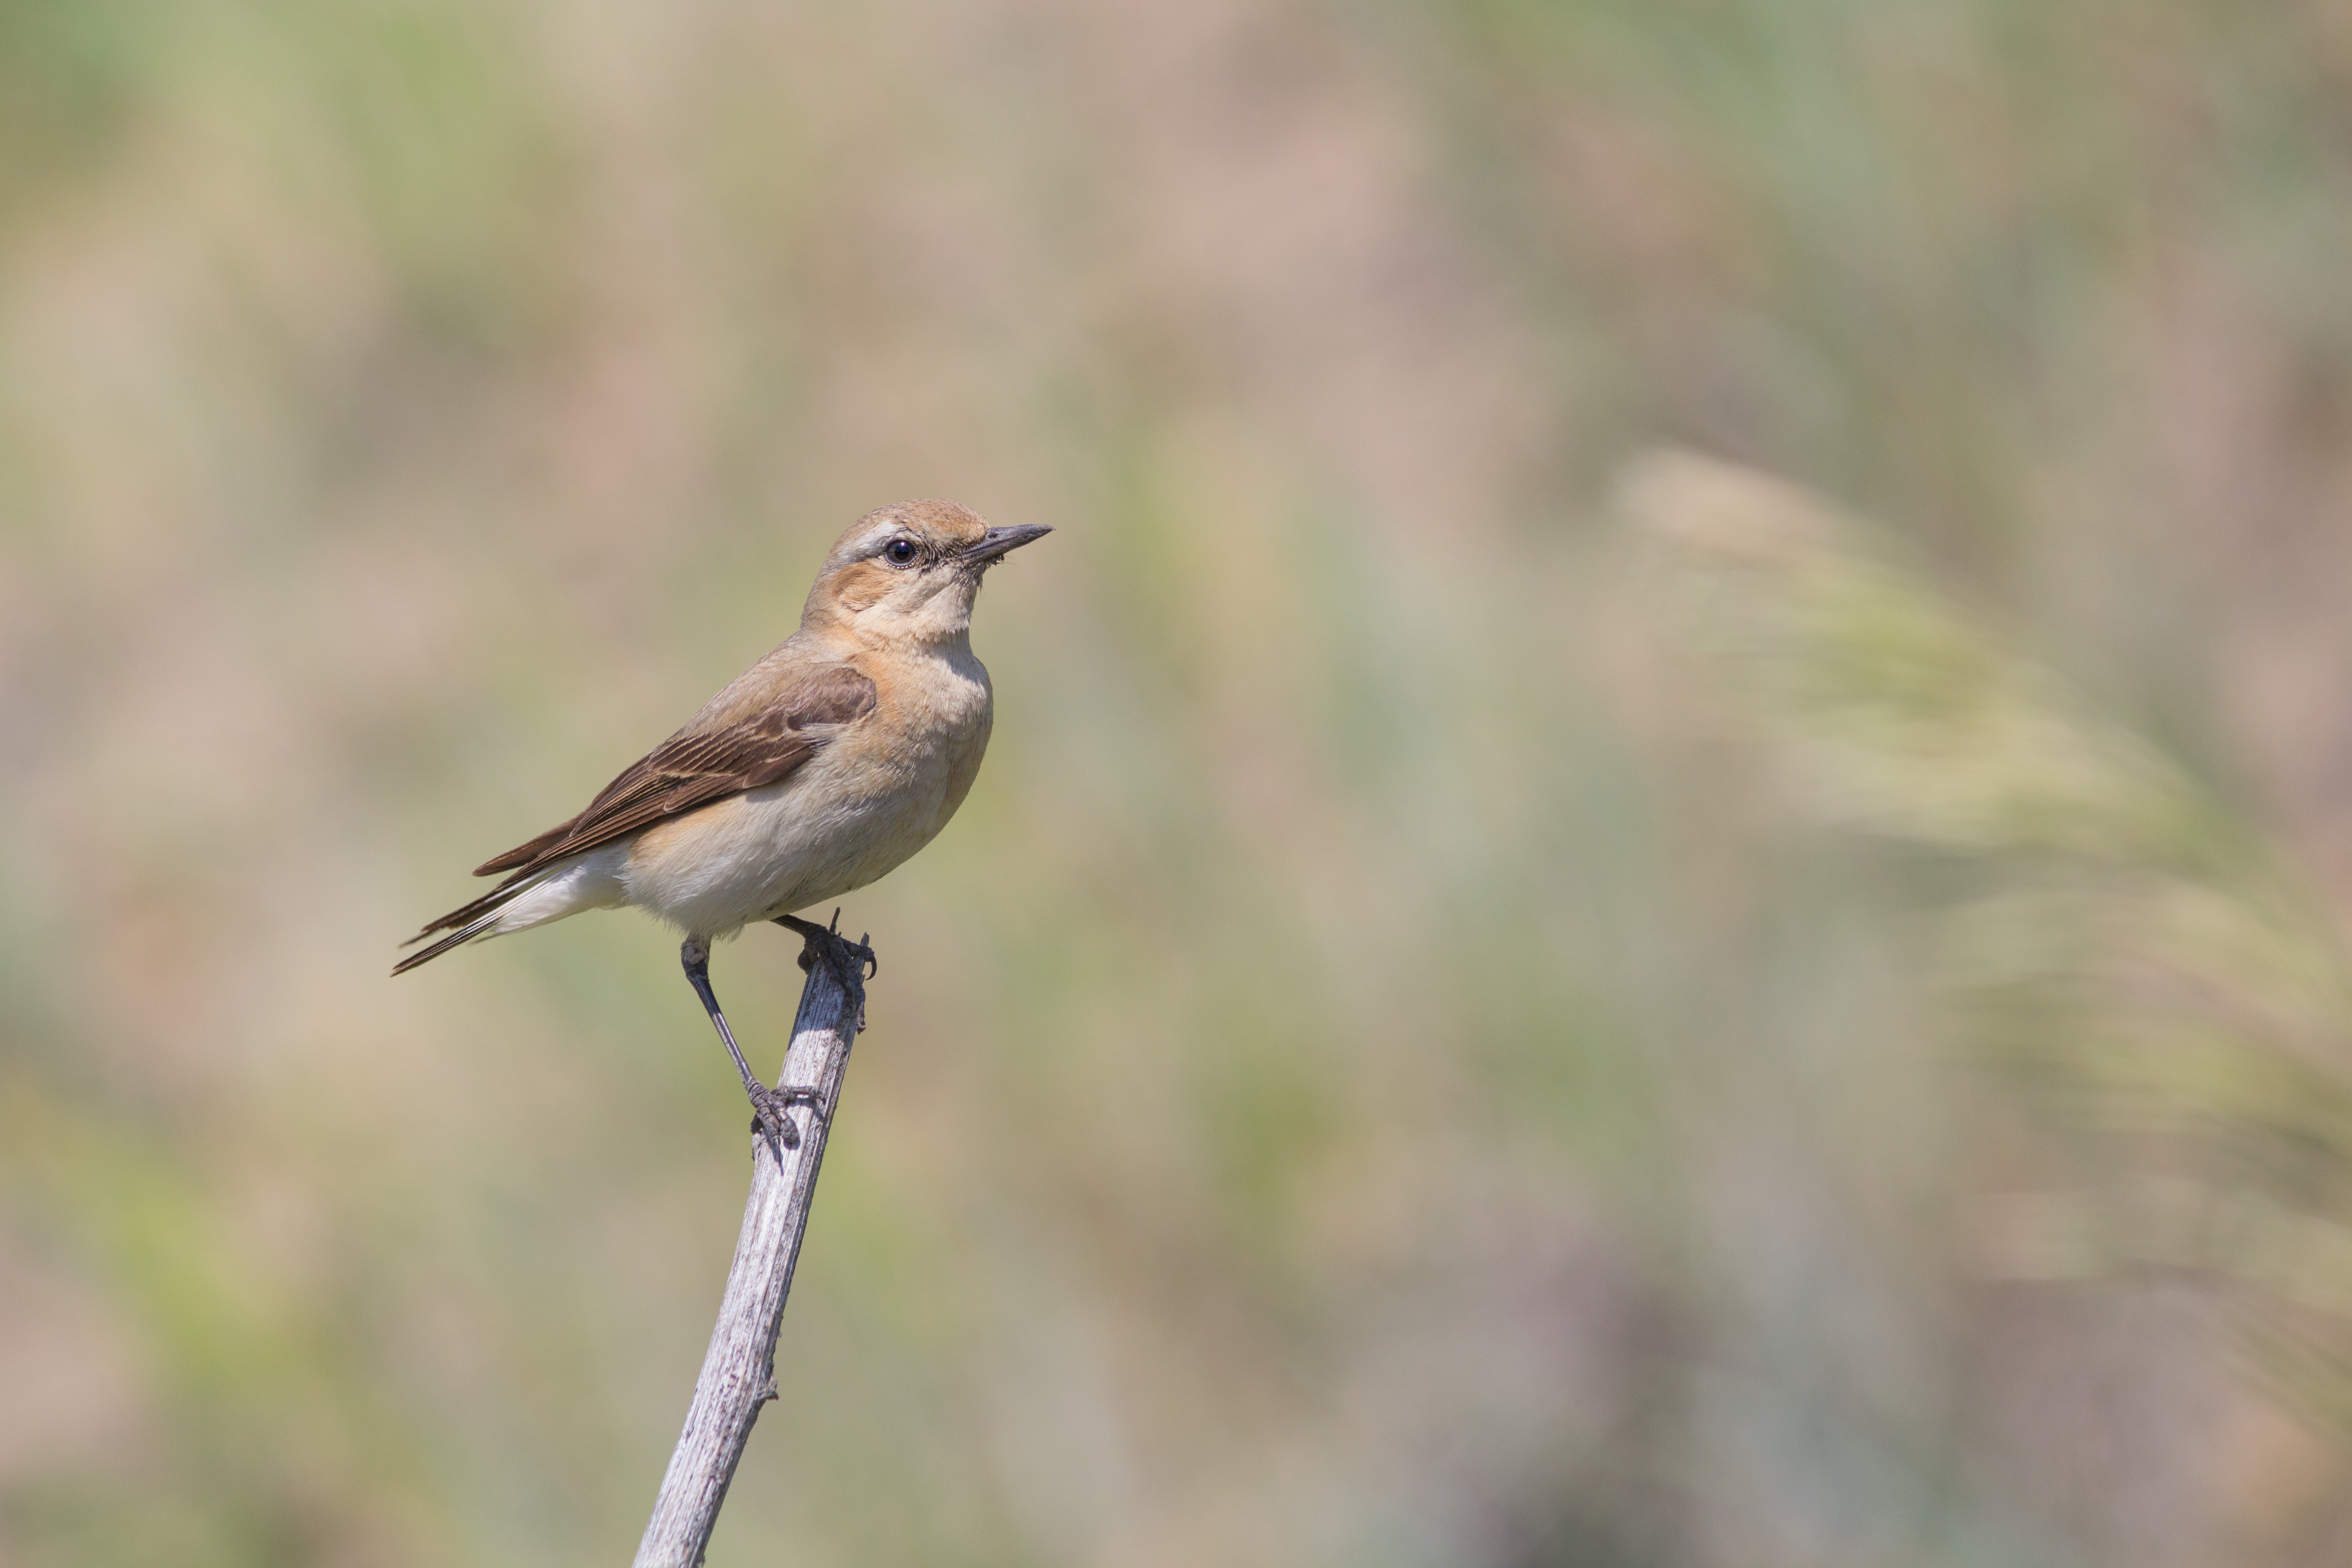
(997, 542)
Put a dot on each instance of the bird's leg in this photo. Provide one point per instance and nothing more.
(767, 1104)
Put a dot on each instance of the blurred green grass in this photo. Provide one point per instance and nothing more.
(1454, 1028)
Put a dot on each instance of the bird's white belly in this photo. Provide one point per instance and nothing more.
(835, 825)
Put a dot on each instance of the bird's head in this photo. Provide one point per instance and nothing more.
(908, 573)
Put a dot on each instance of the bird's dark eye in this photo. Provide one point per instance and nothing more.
(899, 552)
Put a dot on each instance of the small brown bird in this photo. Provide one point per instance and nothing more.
(819, 769)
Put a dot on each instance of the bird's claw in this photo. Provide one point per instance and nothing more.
(852, 963)
(768, 1108)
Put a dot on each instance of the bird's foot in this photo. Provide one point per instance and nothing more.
(768, 1108)
(852, 963)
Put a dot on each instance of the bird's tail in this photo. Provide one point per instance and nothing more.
(464, 924)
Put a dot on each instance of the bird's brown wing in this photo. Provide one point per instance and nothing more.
(691, 769)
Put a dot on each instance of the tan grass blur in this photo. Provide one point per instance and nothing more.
(1404, 1058)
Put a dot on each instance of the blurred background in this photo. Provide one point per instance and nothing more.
(1500, 1001)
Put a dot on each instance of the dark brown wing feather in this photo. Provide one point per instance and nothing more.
(687, 771)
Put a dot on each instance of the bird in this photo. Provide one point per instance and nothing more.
(815, 772)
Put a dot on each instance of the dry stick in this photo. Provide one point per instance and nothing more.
(739, 1371)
